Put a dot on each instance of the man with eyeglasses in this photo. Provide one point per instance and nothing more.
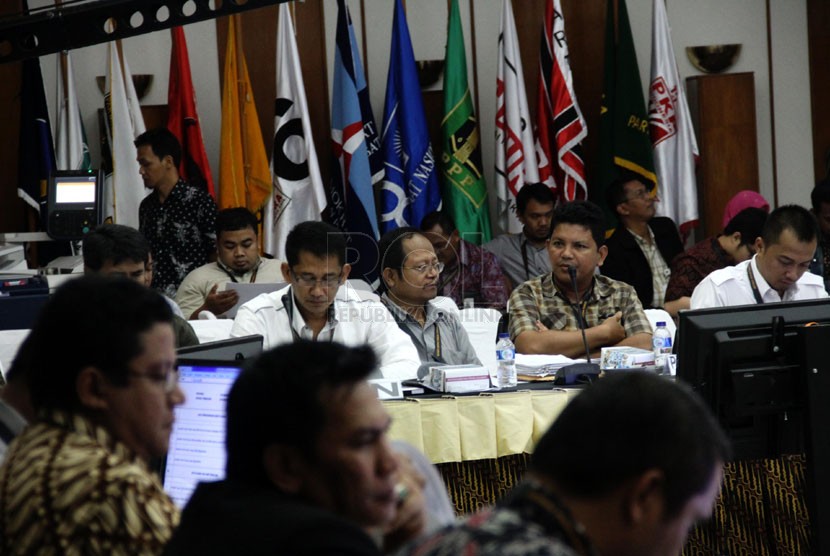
(777, 272)
(410, 270)
(100, 369)
(470, 272)
(318, 305)
(643, 246)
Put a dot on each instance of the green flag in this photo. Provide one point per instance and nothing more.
(465, 192)
(624, 137)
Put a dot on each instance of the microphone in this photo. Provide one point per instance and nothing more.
(578, 372)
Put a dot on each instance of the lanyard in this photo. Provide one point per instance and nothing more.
(758, 299)
(288, 303)
(233, 277)
(437, 352)
(524, 257)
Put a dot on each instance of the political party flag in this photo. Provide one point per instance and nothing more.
(36, 158)
(464, 188)
(670, 126)
(244, 173)
(515, 151)
(183, 119)
(624, 143)
(410, 188)
(298, 188)
(124, 188)
(560, 127)
(72, 149)
(351, 197)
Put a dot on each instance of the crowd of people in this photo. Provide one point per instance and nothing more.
(629, 466)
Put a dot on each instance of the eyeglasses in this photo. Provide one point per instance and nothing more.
(639, 194)
(310, 281)
(423, 268)
(168, 380)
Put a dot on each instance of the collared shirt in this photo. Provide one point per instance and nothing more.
(196, 286)
(540, 299)
(181, 233)
(531, 520)
(695, 264)
(12, 424)
(660, 271)
(69, 487)
(441, 339)
(510, 249)
(477, 275)
(355, 321)
(731, 286)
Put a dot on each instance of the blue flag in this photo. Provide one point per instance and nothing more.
(352, 201)
(410, 188)
(37, 153)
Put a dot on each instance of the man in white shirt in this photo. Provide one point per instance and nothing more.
(777, 272)
(317, 305)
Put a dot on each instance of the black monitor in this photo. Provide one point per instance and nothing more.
(74, 203)
(746, 362)
(230, 349)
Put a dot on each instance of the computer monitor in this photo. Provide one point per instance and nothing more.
(745, 361)
(197, 441)
(231, 349)
(74, 203)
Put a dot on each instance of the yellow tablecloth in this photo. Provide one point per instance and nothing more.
(487, 426)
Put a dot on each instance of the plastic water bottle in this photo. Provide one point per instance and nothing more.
(506, 355)
(661, 341)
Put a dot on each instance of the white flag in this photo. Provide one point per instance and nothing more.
(515, 149)
(670, 126)
(298, 188)
(72, 150)
(124, 189)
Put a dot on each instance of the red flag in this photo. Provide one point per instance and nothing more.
(183, 120)
(560, 126)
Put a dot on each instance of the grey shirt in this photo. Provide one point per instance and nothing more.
(511, 249)
(442, 339)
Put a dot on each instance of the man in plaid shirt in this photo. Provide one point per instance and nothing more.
(545, 311)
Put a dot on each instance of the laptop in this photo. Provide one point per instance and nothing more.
(230, 349)
(197, 442)
(249, 291)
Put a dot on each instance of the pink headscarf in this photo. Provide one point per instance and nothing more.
(743, 200)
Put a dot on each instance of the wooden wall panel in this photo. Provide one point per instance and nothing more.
(818, 29)
(12, 209)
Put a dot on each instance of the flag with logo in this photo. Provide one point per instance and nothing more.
(351, 196)
(624, 142)
(71, 147)
(410, 187)
(465, 190)
(560, 127)
(670, 126)
(515, 150)
(183, 119)
(298, 188)
(124, 188)
(36, 158)
(244, 173)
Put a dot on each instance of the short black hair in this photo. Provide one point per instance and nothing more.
(438, 218)
(749, 222)
(583, 213)
(90, 321)
(820, 194)
(615, 192)
(234, 219)
(625, 424)
(163, 143)
(280, 399)
(317, 238)
(116, 244)
(539, 192)
(391, 249)
(795, 218)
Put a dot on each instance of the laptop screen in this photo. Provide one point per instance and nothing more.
(197, 442)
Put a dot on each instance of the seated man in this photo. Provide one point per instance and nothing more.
(101, 374)
(238, 260)
(629, 467)
(315, 306)
(470, 272)
(736, 244)
(545, 311)
(116, 250)
(410, 272)
(777, 272)
(310, 469)
(522, 256)
(643, 246)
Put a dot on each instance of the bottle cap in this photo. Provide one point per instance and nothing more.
(661, 323)
(503, 335)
